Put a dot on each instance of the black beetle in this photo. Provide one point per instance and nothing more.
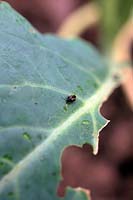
(70, 99)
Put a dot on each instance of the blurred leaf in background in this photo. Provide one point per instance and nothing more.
(114, 15)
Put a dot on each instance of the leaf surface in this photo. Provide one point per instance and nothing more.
(37, 74)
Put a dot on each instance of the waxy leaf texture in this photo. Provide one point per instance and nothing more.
(37, 73)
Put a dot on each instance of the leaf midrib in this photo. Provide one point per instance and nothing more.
(90, 103)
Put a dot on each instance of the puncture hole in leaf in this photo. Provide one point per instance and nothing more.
(26, 136)
(85, 122)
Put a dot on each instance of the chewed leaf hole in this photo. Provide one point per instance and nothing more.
(26, 136)
(72, 176)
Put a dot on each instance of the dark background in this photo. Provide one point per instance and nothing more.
(109, 174)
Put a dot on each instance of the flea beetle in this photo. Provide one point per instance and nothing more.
(70, 99)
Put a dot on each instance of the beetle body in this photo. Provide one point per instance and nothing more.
(70, 99)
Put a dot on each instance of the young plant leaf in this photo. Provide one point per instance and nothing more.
(37, 74)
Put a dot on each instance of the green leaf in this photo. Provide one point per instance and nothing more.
(114, 14)
(37, 73)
